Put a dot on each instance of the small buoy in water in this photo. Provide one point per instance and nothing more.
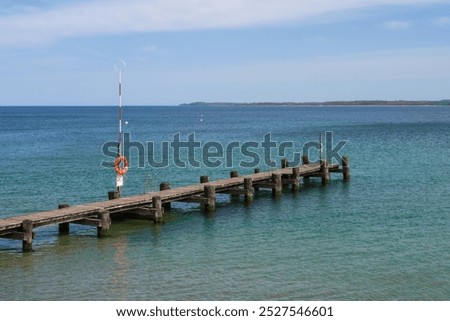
(126, 123)
(201, 117)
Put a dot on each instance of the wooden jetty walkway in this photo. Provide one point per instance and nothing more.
(152, 205)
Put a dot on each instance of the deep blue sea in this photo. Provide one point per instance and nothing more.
(384, 235)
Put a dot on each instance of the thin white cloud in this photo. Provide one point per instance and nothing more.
(442, 21)
(149, 49)
(397, 25)
(114, 16)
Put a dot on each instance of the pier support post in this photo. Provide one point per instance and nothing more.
(105, 223)
(296, 178)
(305, 160)
(324, 171)
(204, 179)
(210, 194)
(248, 186)
(63, 228)
(257, 171)
(284, 163)
(113, 195)
(278, 189)
(345, 168)
(27, 229)
(234, 174)
(159, 210)
(162, 187)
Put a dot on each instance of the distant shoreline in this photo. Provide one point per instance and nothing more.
(343, 103)
(445, 102)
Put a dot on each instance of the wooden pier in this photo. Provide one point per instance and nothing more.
(151, 206)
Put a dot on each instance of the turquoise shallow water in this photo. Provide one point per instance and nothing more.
(382, 236)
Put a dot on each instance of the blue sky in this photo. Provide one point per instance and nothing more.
(63, 52)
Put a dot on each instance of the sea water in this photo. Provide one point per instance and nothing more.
(384, 235)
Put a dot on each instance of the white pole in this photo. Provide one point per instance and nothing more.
(119, 66)
(320, 144)
(119, 146)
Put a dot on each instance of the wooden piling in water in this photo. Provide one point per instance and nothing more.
(113, 195)
(234, 174)
(278, 187)
(158, 209)
(27, 229)
(105, 223)
(209, 192)
(296, 179)
(346, 168)
(324, 172)
(248, 186)
(284, 163)
(305, 160)
(163, 187)
(204, 179)
(63, 228)
(257, 171)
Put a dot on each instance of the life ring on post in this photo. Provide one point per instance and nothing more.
(121, 170)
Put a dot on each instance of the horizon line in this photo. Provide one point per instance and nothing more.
(363, 102)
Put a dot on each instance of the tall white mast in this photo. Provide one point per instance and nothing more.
(119, 141)
(119, 66)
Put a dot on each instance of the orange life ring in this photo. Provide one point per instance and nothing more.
(121, 170)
